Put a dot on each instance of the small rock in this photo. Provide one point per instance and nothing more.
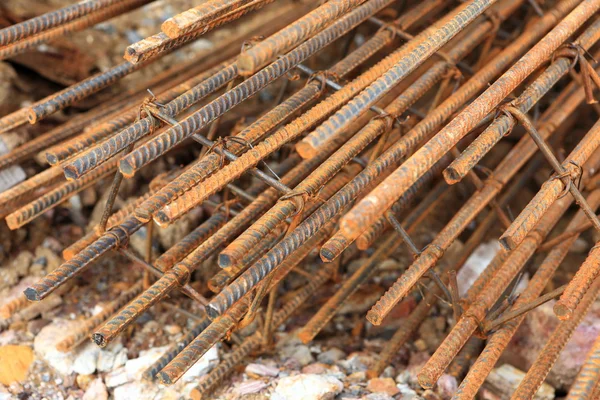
(475, 264)
(315, 368)
(14, 363)
(300, 353)
(45, 342)
(249, 387)
(377, 396)
(52, 260)
(85, 362)
(83, 381)
(96, 391)
(447, 386)
(421, 345)
(137, 390)
(357, 377)
(580, 246)
(331, 356)
(307, 387)
(172, 329)
(388, 372)
(383, 385)
(261, 370)
(505, 380)
(22, 262)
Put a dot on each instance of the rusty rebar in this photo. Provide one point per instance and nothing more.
(51, 19)
(506, 122)
(80, 333)
(90, 18)
(549, 354)
(588, 376)
(579, 285)
(192, 124)
(287, 133)
(382, 197)
(476, 312)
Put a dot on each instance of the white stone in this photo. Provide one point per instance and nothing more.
(505, 380)
(331, 356)
(86, 358)
(249, 387)
(96, 391)
(45, 342)
(262, 370)
(475, 264)
(300, 353)
(112, 357)
(307, 387)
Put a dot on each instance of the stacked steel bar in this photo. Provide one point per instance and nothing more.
(376, 130)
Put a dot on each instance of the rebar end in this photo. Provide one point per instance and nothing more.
(327, 255)
(425, 381)
(374, 318)
(451, 176)
(126, 169)
(562, 312)
(224, 260)
(99, 339)
(51, 158)
(508, 243)
(32, 294)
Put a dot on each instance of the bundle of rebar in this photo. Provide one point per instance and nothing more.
(341, 147)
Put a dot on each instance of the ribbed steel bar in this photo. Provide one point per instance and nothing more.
(264, 124)
(160, 43)
(192, 124)
(292, 130)
(500, 339)
(66, 97)
(588, 376)
(80, 333)
(259, 55)
(361, 275)
(84, 22)
(177, 99)
(111, 239)
(361, 103)
(36, 183)
(476, 312)
(255, 340)
(345, 196)
(53, 198)
(51, 19)
(201, 16)
(176, 348)
(547, 357)
(551, 190)
(180, 272)
(584, 278)
(525, 102)
(382, 197)
(202, 343)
